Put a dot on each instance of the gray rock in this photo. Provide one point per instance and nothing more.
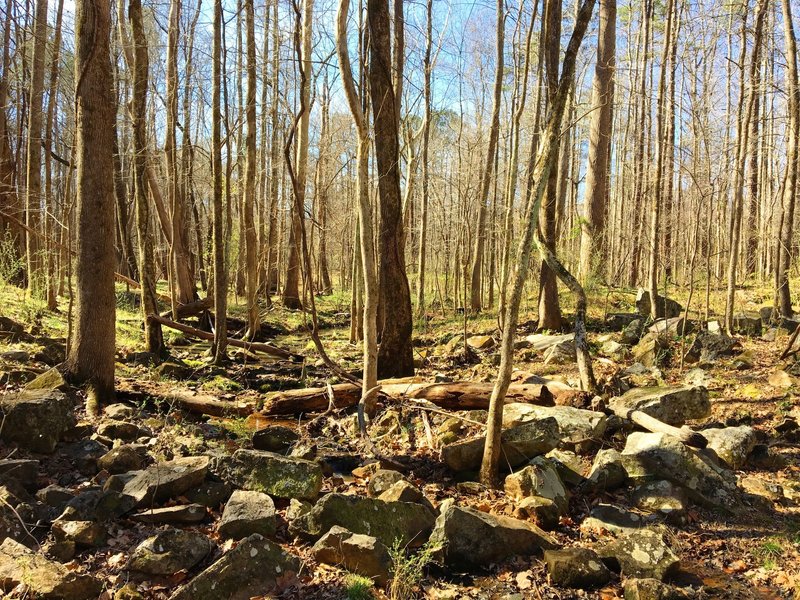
(542, 511)
(732, 444)
(248, 512)
(210, 493)
(652, 350)
(579, 568)
(539, 478)
(119, 412)
(122, 430)
(43, 578)
(359, 553)
(382, 480)
(562, 353)
(575, 425)
(388, 521)
(469, 538)
(571, 467)
(662, 497)
(664, 457)
(271, 473)
(95, 504)
(674, 326)
(87, 534)
(170, 551)
(85, 454)
(653, 589)
(697, 376)
(55, 496)
(671, 404)
(183, 514)
(641, 553)
(36, 419)
(121, 460)
(542, 341)
(297, 508)
(519, 444)
(253, 568)
(632, 332)
(275, 438)
(759, 487)
(612, 519)
(665, 307)
(708, 347)
(619, 321)
(165, 480)
(403, 491)
(480, 342)
(747, 324)
(607, 473)
(24, 470)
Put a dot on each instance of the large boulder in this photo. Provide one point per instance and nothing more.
(747, 324)
(520, 444)
(36, 419)
(641, 553)
(575, 425)
(708, 346)
(359, 553)
(248, 512)
(253, 568)
(43, 578)
(575, 567)
(670, 404)
(279, 476)
(665, 307)
(652, 350)
(408, 522)
(674, 326)
(165, 480)
(170, 551)
(662, 456)
(732, 444)
(469, 538)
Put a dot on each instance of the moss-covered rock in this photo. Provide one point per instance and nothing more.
(170, 551)
(271, 473)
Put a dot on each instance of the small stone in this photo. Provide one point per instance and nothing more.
(86, 454)
(88, 534)
(539, 478)
(297, 508)
(562, 353)
(166, 480)
(185, 514)
(579, 568)
(641, 553)
(24, 470)
(662, 497)
(403, 491)
(612, 519)
(359, 553)
(121, 430)
(170, 551)
(671, 404)
(760, 487)
(542, 511)
(275, 438)
(382, 480)
(55, 496)
(246, 513)
(607, 473)
(121, 460)
(732, 444)
(119, 412)
(480, 342)
(210, 493)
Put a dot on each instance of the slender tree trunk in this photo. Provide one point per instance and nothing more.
(218, 224)
(476, 277)
(91, 355)
(537, 183)
(33, 177)
(593, 248)
(784, 301)
(426, 140)
(253, 317)
(154, 340)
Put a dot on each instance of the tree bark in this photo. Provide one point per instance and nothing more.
(91, 356)
(251, 249)
(395, 357)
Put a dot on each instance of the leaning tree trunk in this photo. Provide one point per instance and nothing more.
(154, 340)
(537, 184)
(395, 357)
(486, 177)
(91, 355)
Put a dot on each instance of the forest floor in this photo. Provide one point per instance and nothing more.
(750, 553)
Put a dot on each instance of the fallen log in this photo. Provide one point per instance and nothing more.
(193, 402)
(250, 346)
(685, 434)
(451, 396)
(191, 309)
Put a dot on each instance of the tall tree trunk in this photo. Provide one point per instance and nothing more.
(253, 317)
(220, 266)
(33, 178)
(395, 356)
(291, 289)
(476, 278)
(784, 301)
(323, 183)
(593, 248)
(549, 309)
(426, 140)
(91, 355)
(275, 160)
(366, 234)
(537, 183)
(154, 340)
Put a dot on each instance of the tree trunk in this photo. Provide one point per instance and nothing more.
(476, 278)
(395, 357)
(593, 248)
(426, 140)
(91, 355)
(218, 225)
(253, 317)
(538, 176)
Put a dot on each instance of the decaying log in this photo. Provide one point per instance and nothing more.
(191, 309)
(194, 402)
(250, 346)
(451, 396)
(685, 434)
